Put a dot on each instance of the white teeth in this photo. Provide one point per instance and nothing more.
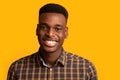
(50, 43)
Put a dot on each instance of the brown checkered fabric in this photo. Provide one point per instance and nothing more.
(67, 67)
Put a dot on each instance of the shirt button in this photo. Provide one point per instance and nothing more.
(50, 69)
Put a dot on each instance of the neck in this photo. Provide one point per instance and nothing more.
(50, 58)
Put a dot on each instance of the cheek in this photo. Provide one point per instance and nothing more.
(62, 36)
(41, 33)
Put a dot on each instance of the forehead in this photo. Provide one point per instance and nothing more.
(49, 17)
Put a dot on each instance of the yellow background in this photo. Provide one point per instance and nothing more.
(94, 32)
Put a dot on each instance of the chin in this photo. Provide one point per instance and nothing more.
(50, 50)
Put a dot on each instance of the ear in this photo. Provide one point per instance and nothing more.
(66, 32)
(37, 30)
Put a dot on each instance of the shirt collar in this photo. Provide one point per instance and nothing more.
(62, 58)
(60, 62)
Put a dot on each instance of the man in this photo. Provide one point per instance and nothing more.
(52, 62)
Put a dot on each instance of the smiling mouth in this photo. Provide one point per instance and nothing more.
(50, 43)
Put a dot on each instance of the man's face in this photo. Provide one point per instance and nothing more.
(51, 31)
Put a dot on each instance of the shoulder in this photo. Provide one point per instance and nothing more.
(83, 63)
(22, 61)
(74, 57)
(20, 64)
(79, 60)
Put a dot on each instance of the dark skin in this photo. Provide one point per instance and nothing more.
(51, 32)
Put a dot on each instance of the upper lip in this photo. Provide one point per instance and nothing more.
(50, 39)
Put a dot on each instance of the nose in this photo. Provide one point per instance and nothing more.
(50, 32)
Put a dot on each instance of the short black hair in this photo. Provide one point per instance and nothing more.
(53, 8)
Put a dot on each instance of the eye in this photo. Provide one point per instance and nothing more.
(43, 27)
(58, 28)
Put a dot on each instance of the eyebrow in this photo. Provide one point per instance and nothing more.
(43, 24)
(48, 25)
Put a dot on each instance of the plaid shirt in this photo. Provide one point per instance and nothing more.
(67, 67)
